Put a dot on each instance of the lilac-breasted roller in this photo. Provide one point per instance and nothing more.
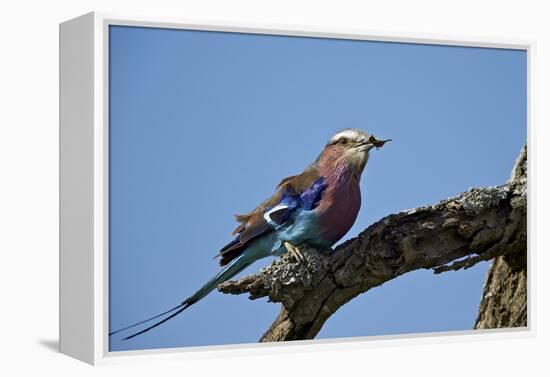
(317, 207)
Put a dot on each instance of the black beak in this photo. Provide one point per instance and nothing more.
(370, 145)
(372, 142)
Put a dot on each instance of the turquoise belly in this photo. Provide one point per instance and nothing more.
(304, 228)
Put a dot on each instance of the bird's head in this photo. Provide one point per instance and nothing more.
(350, 148)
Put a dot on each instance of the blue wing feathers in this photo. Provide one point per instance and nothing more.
(307, 200)
(291, 201)
(310, 197)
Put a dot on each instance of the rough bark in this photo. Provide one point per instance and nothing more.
(479, 224)
(504, 299)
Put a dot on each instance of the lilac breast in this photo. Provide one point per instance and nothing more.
(338, 208)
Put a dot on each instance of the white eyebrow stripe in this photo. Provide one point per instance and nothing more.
(349, 133)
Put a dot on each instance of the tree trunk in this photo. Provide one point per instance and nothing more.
(504, 300)
(477, 225)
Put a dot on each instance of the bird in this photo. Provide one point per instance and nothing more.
(316, 207)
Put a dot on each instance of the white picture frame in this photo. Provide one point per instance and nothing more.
(84, 187)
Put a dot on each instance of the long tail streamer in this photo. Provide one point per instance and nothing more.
(236, 266)
(146, 320)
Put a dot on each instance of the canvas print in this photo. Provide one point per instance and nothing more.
(267, 188)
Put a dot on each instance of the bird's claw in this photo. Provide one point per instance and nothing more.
(294, 251)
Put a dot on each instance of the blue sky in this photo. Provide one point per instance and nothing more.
(203, 125)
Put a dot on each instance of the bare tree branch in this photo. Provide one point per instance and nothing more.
(479, 224)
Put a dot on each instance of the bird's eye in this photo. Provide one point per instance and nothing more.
(343, 140)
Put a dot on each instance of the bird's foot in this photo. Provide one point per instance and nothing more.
(294, 251)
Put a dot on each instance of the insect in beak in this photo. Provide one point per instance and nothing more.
(377, 143)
